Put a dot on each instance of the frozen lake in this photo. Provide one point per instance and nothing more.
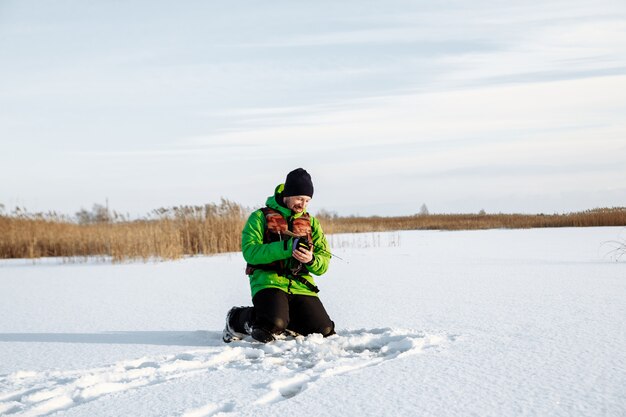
(489, 323)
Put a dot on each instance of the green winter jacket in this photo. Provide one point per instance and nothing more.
(256, 252)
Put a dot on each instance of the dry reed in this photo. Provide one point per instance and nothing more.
(215, 228)
(178, 231)
(597, 217)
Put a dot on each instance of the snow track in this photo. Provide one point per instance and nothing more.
(294, 363)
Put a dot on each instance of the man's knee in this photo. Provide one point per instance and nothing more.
(328, 330)
(279, 325)
(275, 325)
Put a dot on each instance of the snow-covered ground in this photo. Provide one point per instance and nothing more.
(485, 323)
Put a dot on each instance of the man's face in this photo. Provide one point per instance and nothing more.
(297, 203)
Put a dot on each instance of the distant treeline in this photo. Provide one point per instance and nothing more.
(170, 233)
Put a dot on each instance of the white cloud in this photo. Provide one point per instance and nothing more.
(450, 102)
(515, 111)
(563, 48)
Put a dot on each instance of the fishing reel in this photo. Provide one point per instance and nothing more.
(302, 242)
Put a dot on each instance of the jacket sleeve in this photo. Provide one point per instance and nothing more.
(256, 252)
(321, 249)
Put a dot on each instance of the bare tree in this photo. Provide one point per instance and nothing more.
(326, 214)
(98, 214)
(617, 248)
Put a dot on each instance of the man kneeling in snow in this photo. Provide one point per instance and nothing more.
(283, 246)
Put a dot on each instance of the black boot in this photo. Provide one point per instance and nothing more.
(229, 334)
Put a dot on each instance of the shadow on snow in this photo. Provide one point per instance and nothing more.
(168, 338)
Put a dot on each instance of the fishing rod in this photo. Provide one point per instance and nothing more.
(309, 244)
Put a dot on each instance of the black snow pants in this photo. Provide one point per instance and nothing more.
(276, 311)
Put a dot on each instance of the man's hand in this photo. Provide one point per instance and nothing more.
(301, 251)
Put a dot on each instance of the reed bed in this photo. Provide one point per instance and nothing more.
(171, 233)
(590, 218)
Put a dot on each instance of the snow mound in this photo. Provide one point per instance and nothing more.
(296, 363)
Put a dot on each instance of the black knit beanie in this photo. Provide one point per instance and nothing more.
(298, 182)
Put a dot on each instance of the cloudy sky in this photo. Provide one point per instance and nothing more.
(502, 106)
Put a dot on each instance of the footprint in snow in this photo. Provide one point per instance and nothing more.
(300, 362)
